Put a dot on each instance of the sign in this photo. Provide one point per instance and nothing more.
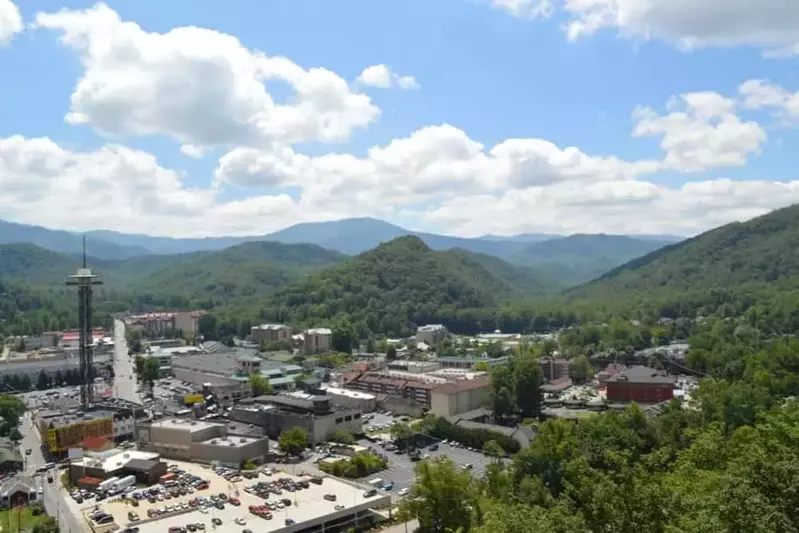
(75, 453)
(191, 399)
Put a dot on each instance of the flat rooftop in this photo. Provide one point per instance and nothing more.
(308, 506)
(224, 362)
(231, 441)
(58, 419)
(114, 459)
(182, 424)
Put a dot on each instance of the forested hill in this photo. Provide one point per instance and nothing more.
(393, 288)
(734, 257)
(203, 279)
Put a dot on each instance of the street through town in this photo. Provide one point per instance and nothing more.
(53, 495)
(124, 372)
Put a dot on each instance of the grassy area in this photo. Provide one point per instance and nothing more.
(16, 520)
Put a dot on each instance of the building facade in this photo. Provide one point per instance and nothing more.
(317, 340)
(270, 333)
(200, 441)
(431, 334)
(316, 414)
(442, 394)
(641, 384)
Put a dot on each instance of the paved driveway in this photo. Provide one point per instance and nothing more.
(401, 468)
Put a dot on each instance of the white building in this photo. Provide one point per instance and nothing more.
(362, 401)
(431, 334)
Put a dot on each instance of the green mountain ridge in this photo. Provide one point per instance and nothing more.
(399, 285)
(730, 267)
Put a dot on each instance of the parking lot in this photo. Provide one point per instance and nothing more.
(291, 499)
(401, 469)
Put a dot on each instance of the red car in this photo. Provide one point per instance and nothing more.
(235, 501)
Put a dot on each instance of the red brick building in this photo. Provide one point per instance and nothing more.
(641, 384)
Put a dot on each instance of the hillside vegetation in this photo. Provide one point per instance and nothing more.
(397, 286)
(727, 270)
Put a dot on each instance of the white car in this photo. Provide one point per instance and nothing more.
(240, 521)
(404, 492)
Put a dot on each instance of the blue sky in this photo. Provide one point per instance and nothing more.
(481, 68)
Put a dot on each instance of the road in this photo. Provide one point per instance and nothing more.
(53, 495)
(124, 374)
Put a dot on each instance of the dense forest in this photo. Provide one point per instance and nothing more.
(724, 462)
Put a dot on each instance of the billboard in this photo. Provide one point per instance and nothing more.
(75, 453)
(191, 399)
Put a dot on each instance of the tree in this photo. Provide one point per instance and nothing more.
(342, 437)
(443, 499)
(343, 338)
(43, 381)
(481, 366)
(147, 370)
(293, 441)
(11, 409)
(528, 380)
(502, 395)
(400, 431)
(580, 370)
(492, 449)
(391, 352)
(259, 385)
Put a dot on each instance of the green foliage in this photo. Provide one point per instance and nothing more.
(393, 288)
(260, 385)
(342, 437)
(360, 465)
(443, 499)
(726, 462)
(146, 368)
(293, 441)
(248, 465)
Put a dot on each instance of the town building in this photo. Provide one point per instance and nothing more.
(200, 441)
(226, 373)
(317, 340)
(270, 333)
(163, 322)
(431, 334)
(147, 467)
(352, 399)
(416, 367)
(641, 384)
(106, 422)
(59, 363)
(316, 414)
(70, 340)
(468, 363)
(18, 492)
(442, 395)
(553, 369)
(608, 372)
(10, 457)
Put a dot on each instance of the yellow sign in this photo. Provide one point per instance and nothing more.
(51, 440)
(191, 399)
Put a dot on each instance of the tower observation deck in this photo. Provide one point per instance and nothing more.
(85, 280)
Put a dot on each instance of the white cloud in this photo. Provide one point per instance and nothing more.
(700, 131)
(530, 9)
(772, 25)
(207, 92)
(198, 86)
(381, 76)
(10, 21)
(761, 94)
(614, 207)
(433, 163)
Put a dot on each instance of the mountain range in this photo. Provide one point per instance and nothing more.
(567, 260)
(730, 267)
